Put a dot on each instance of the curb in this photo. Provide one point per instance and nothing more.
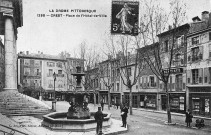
(172, 113)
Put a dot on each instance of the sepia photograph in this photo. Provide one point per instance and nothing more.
(105, 67)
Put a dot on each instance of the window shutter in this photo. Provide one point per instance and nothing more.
(200, 54)
(178, 42)
(184, 81)
(161, 87)
(189, 56)
(206, 75)
(140, 81)
(200, 76)
(143, 83)
(148, 82)
(182, 40)
(155, 81)
(189, 42)
(173, 82)
(189, 78)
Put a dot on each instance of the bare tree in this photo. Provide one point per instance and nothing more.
(159, 57)
(122, 49)
(130, 65)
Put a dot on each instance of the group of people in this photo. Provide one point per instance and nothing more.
(99, 117)
(124, 111)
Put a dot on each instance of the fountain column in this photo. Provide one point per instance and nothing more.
(10, 55)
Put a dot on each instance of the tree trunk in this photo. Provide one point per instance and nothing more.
(130, 98)
(168, 103)
(109, 99)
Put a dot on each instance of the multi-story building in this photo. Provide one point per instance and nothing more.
(92, 79)
(199, 66)
(116, 91)
(148, 88)
(35, 75)
(177, 80)
(2, 65)
(152, 93)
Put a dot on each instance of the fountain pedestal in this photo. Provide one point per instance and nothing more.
(78, 106)
(78, 109)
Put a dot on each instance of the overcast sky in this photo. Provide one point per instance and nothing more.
(51, 35)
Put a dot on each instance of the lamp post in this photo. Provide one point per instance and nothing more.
(54, 100)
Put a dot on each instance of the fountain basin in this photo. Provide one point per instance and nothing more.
(59, 121)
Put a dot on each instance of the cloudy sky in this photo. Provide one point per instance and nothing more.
(52, 35)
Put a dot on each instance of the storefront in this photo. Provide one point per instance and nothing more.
(104, 96)
(115, 98)
(200, 101)
(177, 102)
(135, 99)
(148, 100)
(91, 98)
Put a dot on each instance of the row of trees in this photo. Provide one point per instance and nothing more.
(122, 49)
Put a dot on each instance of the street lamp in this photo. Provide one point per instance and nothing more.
(54, 100)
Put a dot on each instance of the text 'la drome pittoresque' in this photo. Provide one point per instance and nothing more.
(74, 13)
(73, 10)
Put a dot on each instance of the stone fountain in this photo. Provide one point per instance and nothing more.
(78, 106)
(78, 117)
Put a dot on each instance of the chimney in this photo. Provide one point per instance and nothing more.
(205, 16)
(27, 52)
(196, 19)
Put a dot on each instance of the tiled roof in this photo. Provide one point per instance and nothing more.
(40, 56)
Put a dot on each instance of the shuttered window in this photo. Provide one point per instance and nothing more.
(200, 76)
(206, 75)
(189, 77)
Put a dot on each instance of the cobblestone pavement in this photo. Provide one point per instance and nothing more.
(144, 122)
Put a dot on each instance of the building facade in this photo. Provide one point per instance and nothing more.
(177, 78)
(199, 66)
(35, 75)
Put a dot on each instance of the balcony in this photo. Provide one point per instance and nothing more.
(153, 85)
(37, 74)
(50, 86)
(60, 75)
(49, 75)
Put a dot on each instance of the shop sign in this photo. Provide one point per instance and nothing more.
(182, 107)
(150, 105)
(181, 99)
(173, 71)
(207, 108)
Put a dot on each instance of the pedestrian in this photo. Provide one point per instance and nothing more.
(124, 112)
(99, 119)
(188, 118)
(102, 105)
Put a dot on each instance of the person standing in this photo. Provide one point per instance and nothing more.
(124, 112)
(99, 119)
(102, 105)
(188, 118)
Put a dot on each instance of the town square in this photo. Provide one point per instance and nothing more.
(96, 67)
